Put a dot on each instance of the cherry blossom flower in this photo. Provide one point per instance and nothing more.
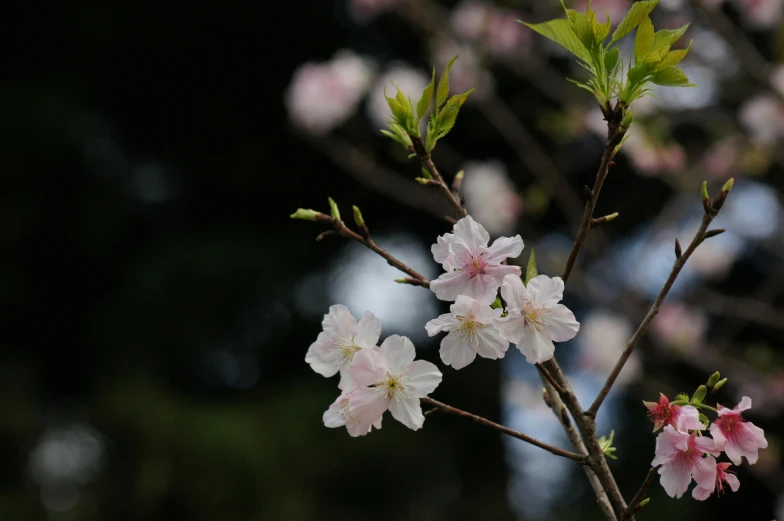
(340, 340)
(761, 14)
(603, 338)
(491, 197)
(389, 378)
(763, 117)
(339, 414)
(363, 11)
(496, 29)
(472, 268)
(723, 475)
(471, 332)
(680, 455)
(321, 96)
(535, 319)
(736, 436)
(663, 413)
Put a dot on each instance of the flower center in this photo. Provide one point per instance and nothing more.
(391, 386)
(475, 264)
(532, 315)
(347, 350)
(468, 327)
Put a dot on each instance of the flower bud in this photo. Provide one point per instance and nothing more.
(699, 394)
(358, 220)
(719, 384)
(645, 502)
(333, 208)
(706, 200)
(304, 215)
(714, 378)
(728, 185)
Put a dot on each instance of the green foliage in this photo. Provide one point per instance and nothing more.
(699, 395)
(333, 209)
(403, 124)
(531, 270)
(606, 443)
(611, 76)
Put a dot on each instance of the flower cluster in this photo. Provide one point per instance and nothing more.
(376, 378)
(683, 453)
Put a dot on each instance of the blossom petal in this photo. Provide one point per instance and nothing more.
(397, 351)
(701, 493)
(471, 233)
(366, 367)
(511, 327)
(536, 346)
(347, 383)
(491, 345)
(407, 411)
(486, 315)
(368, 331)
(545, 290)
(450, 285)
(745, 404)
(560, 323)
(333, 417)
(445, 322)
(464, 305)
(505, 247)
(422, 378)
(667, 445)
(733, 481)
(675, 477)
(482, 288)
(689, 419)
(366, 407)
(441, 252)
(499, 271)
(706, 444)
(704, 471)
(339, 321)
(456, 350)
(514, 293)
(322, 355)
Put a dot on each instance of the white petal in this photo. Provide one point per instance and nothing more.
(486, 315)
(449, 285)
(733, 481)
(704, 471)
(505, 247)
(514, 293)
(718, 438)
(347, 383)
(397, 352)
(368, 331)
(366, 407)
(482, 288)
(333, 417)
(441, 252)
(689, 419)
(545, 290)
(675, 477)
(422, 378)
(464, 305)
(745, 403)
(407, 411)
(456, 350)
(471, 233)
(536, 347)
(560, 323)
(445, 322)
(491, 345)
(366, 367)
(667, 445)
(322, 355)
(511, 327)
(339, 321)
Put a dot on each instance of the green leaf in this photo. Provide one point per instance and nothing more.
(704, 420)
(638, 11)
(611, 59)
(427, 95)
(644, 39)
(561, 33)
(667, 37)
(682, 397)
(654, 58)
(581, 85)
(582, 27)
(699, 395)
(674, 57)
(672, 77)
(497, 304)
(637, 74)
(600, 31)
(530, 270)
(443, 84)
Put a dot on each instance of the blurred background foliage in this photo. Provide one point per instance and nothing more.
(158, 303)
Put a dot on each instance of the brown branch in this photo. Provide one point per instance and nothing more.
(699, 237)
(614, 136)
(580, 458)
(634, 504)
(547, 376)
(438, 181)
(559, 409)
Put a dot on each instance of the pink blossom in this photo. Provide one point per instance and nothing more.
(680, 455)
(363, 11)
(763, 117)
(339, 414)
(761, 14)
(472, 268)
(496, 29)
(723, 475)
(390, 379)
(471, 332)
(491, 197)
(736, 436)
(340, 340)
(535, 318)
(321, 96)
(663, 413)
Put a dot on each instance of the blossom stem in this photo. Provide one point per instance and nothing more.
(453, 199)
(699, 237)
(580, 458)
(547, 376)
(703, 406)
(345, 231)
(614, 136)
(640, 495)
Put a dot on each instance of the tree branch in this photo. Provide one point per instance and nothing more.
(580, 458)
(699, 237)
(438, 181)
(634, 504)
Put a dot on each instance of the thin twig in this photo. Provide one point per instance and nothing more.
(438, 181)
(580, 458)
(547, 376)
(699, 237)
(559, 409)
(640, 495)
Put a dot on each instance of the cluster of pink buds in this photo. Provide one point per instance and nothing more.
(683, 453)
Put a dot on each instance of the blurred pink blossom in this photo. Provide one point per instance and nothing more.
(363, 11)
(321, 96)
(602, 340)
(763, 117)
(497, 30)
(680, 327)
(409, 80)
(761, 14)
(467, 72)
(616, 8)
(649, 158)
(491, 197)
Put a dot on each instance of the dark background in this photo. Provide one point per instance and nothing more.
(153, 333)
